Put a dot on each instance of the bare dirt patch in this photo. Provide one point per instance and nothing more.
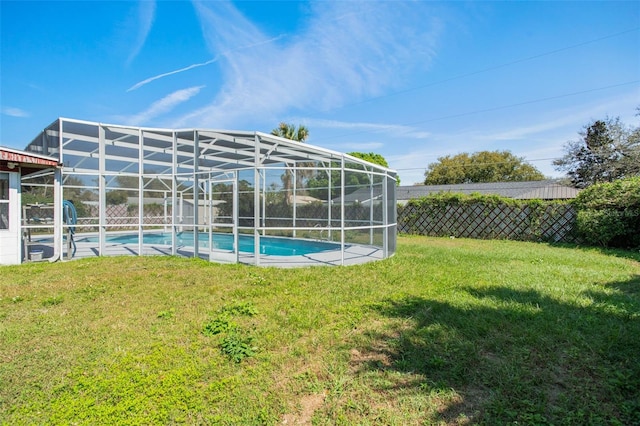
(308, 405)
(464, 408)
(378, 357)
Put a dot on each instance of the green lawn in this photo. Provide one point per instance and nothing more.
(446, 332)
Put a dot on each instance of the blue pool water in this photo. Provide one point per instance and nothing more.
(276, 246)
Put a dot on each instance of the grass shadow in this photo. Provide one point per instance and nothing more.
(631, 254)
(519, 355)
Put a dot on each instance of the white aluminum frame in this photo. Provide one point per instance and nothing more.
(188, 157)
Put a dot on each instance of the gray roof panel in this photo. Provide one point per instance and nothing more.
(549, 189)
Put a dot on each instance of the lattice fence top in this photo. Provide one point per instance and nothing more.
(552, 222)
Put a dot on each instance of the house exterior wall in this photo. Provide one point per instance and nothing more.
(10, 243)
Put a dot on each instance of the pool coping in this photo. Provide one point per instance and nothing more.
(354, 254)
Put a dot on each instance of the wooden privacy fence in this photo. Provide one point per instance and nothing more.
(489, 219)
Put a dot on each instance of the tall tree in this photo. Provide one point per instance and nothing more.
(319, 184)
(606, 151)
(298, 134)
(374, 158)
(482, 166)
(371, 157)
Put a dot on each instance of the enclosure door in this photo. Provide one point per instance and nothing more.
(223, 220)
(9, 218)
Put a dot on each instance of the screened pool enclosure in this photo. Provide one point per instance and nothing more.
(226, 196)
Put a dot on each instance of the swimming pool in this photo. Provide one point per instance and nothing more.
(275, 246)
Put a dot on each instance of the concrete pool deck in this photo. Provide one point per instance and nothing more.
(354, 254)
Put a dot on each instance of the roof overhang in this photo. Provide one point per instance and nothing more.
(15, 160)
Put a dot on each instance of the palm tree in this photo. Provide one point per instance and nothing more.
(289, 131)
(298, 134)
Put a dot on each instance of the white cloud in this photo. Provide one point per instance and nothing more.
(192, 66)
(528, 131)
(348, 51)
(364, 146)
(166, 74)
(568, 119)
(146, 14)
(360, 127)
(164, 105)
(15, 112)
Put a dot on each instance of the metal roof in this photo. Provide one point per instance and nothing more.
(362, 196)
(549, 189)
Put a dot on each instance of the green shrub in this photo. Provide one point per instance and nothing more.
(243, 308)
(237, 346)
(117, 197)
(235, 343)
(598, 227)
(217, 326)
(609, 213)
(52, 301)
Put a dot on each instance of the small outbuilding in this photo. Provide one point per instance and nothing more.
(15, 165)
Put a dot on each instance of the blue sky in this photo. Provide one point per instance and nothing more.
(412, 81)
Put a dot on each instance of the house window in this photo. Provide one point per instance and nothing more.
(4, 200)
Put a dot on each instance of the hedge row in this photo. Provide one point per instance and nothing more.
(606, 214)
